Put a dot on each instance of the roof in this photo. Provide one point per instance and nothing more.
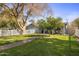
(31, 26)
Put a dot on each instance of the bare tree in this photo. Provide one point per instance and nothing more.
(17, 11)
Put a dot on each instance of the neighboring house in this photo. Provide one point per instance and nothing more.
(31, 28)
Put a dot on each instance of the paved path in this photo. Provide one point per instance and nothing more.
(7, 46)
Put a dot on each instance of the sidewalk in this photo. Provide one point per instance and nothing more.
(7, 46)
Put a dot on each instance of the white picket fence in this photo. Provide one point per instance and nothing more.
(14, 32)
(8, 32)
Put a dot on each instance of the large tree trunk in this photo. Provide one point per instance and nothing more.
(24, 30)
(21, 25)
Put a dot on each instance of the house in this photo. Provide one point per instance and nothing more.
(31, 28)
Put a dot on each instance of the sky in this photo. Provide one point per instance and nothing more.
(67, 11)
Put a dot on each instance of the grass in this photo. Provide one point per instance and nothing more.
(58, 45)
(10, 39)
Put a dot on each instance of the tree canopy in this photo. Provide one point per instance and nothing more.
(76, 22)
(51, 23)
(20, 13)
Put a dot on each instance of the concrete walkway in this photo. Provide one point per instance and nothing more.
(7, 46)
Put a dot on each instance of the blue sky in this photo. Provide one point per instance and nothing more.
(68, 11)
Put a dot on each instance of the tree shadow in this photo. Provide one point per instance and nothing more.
(45, 47)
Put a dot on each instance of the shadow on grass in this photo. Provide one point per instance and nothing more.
(44, 47)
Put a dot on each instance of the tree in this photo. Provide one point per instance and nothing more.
(56, 23)
(73, 26)
(17, 11)
(76, 23)
(51, 23)
(41, 24)
(6, 21)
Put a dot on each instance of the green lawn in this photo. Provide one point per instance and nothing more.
(57, 45)
(10, 39)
